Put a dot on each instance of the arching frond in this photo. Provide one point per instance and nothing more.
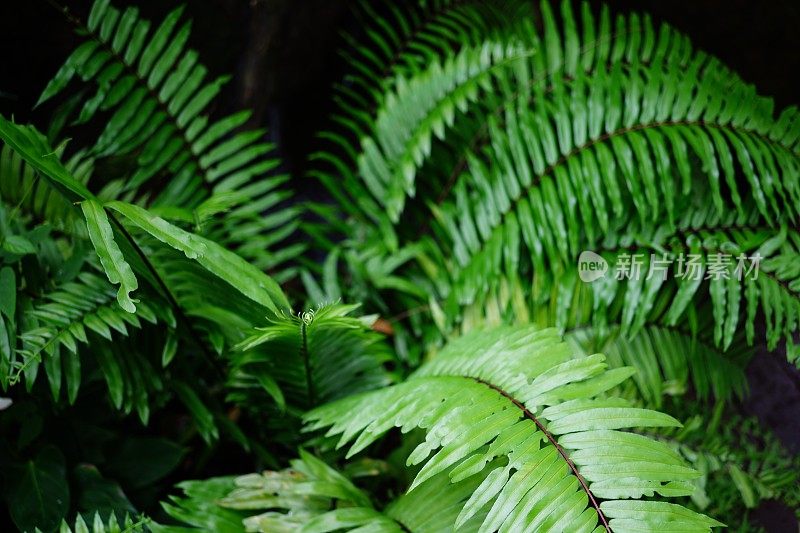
(518, 394)
(591, 133)
(156, 91)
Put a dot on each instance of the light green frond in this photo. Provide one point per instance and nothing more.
(97, 525)
(519, 395)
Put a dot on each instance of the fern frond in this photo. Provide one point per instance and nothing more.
(20, 186)
(310, 358)
(668, 361)
(310, 496)
(199, 508)
(569, 102)
(539, 144)
(397, 44)
(159, 99)
(61, 319)
(518, 394)
(403, 41)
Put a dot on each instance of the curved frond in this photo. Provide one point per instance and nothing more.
(159, 99)
(597, 133)
(519, 395)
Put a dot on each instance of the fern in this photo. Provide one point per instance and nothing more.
(324, 354)
(478, 148)
(514, 389)
(537, 145)
(130, 379)
(156, 92)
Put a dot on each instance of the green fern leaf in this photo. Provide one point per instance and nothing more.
(512, 393)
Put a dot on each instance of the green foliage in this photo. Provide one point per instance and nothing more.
(671, 362)
(741, 464)
(478, 149)
(325, 354)
(592, 134)
(156, 92)
(519, 395)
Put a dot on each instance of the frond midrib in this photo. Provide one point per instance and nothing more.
(527, 414)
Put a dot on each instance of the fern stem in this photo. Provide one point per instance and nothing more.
(555, 443)
(304, 355)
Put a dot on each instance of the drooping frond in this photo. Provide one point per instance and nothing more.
(159, 100)
(310, 358)
(495, 166)
(519, 395)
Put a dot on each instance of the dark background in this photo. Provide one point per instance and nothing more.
(283, 53)
(283, 57)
